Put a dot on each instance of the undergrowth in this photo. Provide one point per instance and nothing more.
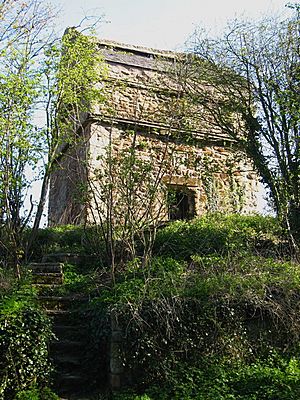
(214, 314)
(215, 379)
(220, 234)
(67, 239)
(25, 332)
(221, 290)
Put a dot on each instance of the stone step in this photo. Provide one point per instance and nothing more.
(68, 384)
(60, 258)
(67, 355)
(46, 267)
(53, 278)
(59, 313)
(70, 332)
(67, 348)
(69, 325)
(69, 258)
(45, 289)
(68, 362)
(60, 302)
(65, 317)
(75, 328)
(73, 344)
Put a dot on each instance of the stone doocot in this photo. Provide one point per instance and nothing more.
(144, 105)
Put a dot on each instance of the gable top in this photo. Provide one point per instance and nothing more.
(142, 51)
(137, 56)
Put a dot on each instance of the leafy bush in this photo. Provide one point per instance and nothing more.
(210, 234)
(163, 277)
(24, 335)
(241, 275)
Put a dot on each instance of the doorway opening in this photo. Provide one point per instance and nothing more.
(181, 203)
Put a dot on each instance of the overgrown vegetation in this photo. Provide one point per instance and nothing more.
(213, 379)
(24, 28)
(56, 79)
(214, 316)
(221, 234)
(25, 332)
(65, 239)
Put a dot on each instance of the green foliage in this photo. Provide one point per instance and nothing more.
(163, 277)
(59, 239)
(23, 29)
(73, 70)
(240, 308)
(240, 276)
(36, 393)
(211, 234)
(81, 67)
(79, 279)
(221, 302)
(24, 335)
(216, 379)
(62, 76)
(66, 239)
(217, 234)
(219, 299)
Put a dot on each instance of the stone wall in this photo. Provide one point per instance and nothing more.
(68, 185)
(150, 89)
(218, 178)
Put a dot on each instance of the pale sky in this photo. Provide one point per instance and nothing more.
(163, 24)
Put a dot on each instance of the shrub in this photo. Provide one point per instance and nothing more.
(24, 335)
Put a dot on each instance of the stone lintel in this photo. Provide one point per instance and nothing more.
(181, 181)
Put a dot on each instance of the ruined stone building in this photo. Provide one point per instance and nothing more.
(193, 167)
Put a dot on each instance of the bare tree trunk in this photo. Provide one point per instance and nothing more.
(39, 212)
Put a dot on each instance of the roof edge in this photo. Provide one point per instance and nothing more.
(137, 49)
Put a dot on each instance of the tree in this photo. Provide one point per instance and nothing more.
(39, 74)
(24, 28)
(250, 89)
(72, 70)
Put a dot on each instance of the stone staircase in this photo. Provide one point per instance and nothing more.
(68, 350)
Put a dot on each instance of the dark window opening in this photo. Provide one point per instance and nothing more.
(181, 203)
